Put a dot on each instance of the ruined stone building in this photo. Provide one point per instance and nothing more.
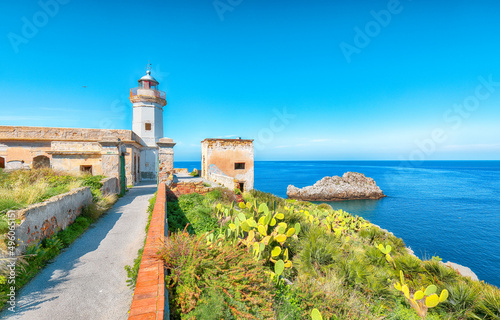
(228, 162)
(131, 156)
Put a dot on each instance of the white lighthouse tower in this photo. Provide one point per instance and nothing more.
(147, 123)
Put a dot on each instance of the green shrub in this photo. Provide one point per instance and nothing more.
(94, 182)
(266, 197)
(287, 304)
(375, 257)
(221, 195)
(226, 275)
(7, 204)
(319, 251)
(325, 206)
(489, 305)
(72, 232)
(373, 235)
(439, 273)
(461, 299)
(194, 173)
(410, 265)
(192, 210)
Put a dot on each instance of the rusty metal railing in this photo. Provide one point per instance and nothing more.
(149, 93)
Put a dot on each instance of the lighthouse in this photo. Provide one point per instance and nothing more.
(147, 123)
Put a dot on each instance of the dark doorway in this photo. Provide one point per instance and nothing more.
(123, 185)
(41, 162)
(86, 169)
(242, 186)
(2, 162)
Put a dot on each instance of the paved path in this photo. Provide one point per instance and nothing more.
(88, 280)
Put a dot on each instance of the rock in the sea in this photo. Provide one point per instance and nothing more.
(350, 186)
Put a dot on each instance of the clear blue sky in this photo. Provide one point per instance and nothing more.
(231, 67)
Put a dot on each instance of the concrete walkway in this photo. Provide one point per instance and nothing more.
(88, 280)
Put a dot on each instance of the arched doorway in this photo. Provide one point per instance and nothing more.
(2, 163)
(41, 162)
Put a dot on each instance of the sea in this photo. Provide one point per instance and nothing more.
(449, 209)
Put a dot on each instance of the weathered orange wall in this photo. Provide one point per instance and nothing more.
(225, 159)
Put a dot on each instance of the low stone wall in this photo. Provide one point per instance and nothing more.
(226, 181)
(110, 186)
(41, 220)
(150, 295)
(189, 187)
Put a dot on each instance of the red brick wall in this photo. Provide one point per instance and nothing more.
(149, 294)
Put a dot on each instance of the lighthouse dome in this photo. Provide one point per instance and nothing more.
(148, 77)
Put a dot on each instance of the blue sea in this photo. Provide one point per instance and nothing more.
(449, 209)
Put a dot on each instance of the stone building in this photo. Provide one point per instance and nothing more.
(129, 155)
(228, 162)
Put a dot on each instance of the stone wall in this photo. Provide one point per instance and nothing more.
(73, 163)
(76, 146)
(165, 159)
(15, 133)
(226, 181)
(110, 186)
(189, 187)
(43, 219)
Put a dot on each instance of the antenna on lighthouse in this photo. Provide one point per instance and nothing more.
(148, 68)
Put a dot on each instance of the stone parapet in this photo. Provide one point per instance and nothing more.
(110, 186)
(41, 220)
(165, 159)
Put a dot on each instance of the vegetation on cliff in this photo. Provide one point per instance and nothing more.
(306, 261)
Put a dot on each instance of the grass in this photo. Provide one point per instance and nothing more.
(21, 188)
(196, 211)
(336, 267)
(26, 187)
